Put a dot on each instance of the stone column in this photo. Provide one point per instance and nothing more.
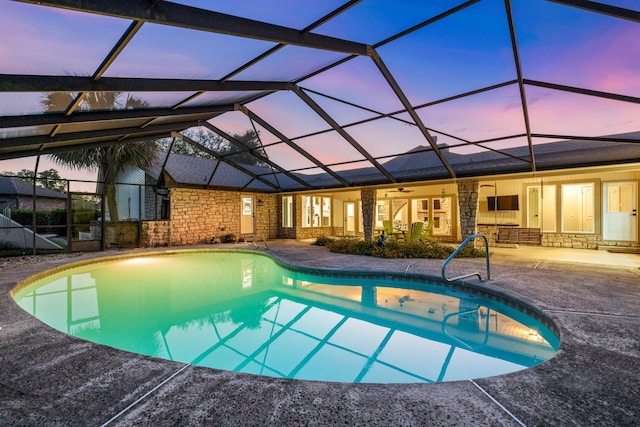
(468, 206)
(368, 196)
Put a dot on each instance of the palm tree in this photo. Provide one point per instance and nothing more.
(110, 160)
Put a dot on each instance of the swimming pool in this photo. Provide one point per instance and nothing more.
(245, 312)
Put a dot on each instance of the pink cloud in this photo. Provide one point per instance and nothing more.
(607, 61)
(572, 114)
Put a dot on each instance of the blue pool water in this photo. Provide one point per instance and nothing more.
(241, 311)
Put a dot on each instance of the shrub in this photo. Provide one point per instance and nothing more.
(351, 246)
(397, 249)
(323, 240)
(228, 238)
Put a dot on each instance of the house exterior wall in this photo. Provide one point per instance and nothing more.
(307, 232)
(489, 222)
(203, 216)
(200, 215)
(42, 203)
(268, 215)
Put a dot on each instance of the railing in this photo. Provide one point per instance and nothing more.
(458, 340)
(462, 245)
(256, 239)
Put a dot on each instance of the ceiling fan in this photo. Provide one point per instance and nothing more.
(398, 190)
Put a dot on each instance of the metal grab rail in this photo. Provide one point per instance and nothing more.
(255, 241)
(458, 340)
(255, 238)
(462, 245)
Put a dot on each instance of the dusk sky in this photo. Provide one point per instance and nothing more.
(466, 51)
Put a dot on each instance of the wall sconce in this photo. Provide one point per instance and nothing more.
(260, 202)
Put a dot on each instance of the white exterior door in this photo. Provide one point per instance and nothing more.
(247, 219)
(350, 218)
(620, 211)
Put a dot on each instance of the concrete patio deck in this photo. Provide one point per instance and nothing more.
(49, 378)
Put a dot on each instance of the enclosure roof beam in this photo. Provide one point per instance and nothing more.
(290, 143)
(115, 135)
(51, 149)
(586, 138)
(253, 152)
(340, 130)
(225, 160)
(605, 9)
(523, 95)
(43, 83)
(583, 91)
(101, 116)
(412, 112)
(177, 15)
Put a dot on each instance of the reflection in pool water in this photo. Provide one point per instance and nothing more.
(243, 312)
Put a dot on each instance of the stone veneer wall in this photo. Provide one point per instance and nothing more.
(491, 231)
(468, 204)
(582, 241)
(368, 196)
(570, 240)
(268, 213)
(199, 216)
(155, 233)
(564, 240)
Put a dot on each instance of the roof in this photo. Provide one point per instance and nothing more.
(338, 90)
(16, 187)
(420, 161)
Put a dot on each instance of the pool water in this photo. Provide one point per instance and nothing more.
(241, 311)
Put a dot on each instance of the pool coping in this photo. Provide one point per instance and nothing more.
(575, 387)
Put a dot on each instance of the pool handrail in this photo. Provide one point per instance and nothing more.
(256, 237)
(458, 340)
(458, 249)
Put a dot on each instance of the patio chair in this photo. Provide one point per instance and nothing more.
(416, 231)
(390, 231)
(387, 227)
(427, 231)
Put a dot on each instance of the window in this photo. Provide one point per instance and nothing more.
(420, 210)
(287, 211)
(316, 211)
(382, 208)
(441, 216)
(165, 208)
(326, 211)
(440, 213)
(578, 208)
